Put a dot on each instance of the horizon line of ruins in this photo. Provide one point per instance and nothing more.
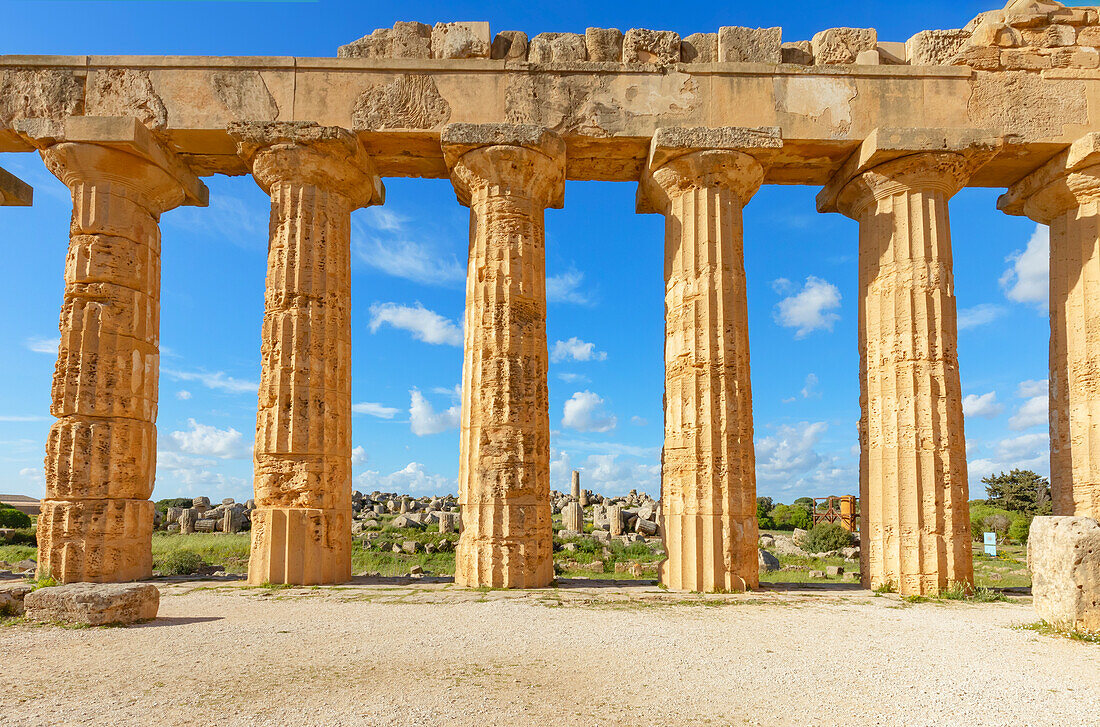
(889, 131)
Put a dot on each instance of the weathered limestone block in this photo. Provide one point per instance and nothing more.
(509, 45)
(838, 46)
(460, 40)
(800, 52)
(660, 47)
(404, 40)
(913, 474)
(1075, 58)
(1023, 59)
(750, 45)
(1053, 36)
(935, 47)
(708, 478)
(1089, 37)
(557, 48)
(980, 59)
(699, 48)
(125, 92)
(572, 517)
(187, 520)
(1063, 554)
(604, 44)
(615, 520)
(11, 598)
(507, 175)
(38, 94)
(448, 522)
(96, 522)
(316, 176)
(14, 192)
(94, 604)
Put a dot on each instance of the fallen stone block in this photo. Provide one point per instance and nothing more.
(768, 562)
(11, 598)
(1063, 554)
(817, 574)
(94, 604)
(834, 570)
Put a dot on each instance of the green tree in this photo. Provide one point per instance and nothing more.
(1019, 491)
(801, 518)
(763, 506)
(781, 515)
(1020, 528)
(805, 502)
(12, 518)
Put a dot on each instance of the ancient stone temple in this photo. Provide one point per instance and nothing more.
(888, 130)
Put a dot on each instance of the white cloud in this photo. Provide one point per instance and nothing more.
(43, 344)
(566, 288)
(604, 473)
(382, 218)
(183, 394)
(408, 259)
(561, 471)
(789, 453)
(1027, 281)
(209, 441)
(217, 380)
(782, 286)
(1032, 387)
(979, 315)
(18, 418)
(425, 325)
(584, 412)
(180, 474)
(413, 478)
(426, 420)
(1032, 413)
(809, 390)
(638, 421)
(374, 409)
(630, 450)
(577, 350)
(35, 479)
(808, 309)
(455, 392)
(1027, 451)
(573, 378)
(358, 456)
(984, 405)
(227, 218)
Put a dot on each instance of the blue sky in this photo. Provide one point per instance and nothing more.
(604, 262)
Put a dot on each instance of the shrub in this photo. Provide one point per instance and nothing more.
(180, 563)
(765, 523)
(801, 518)
(163, 505)
(827, 536)
(12, 518)
(1020, 528)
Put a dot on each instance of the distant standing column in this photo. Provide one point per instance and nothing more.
(507, 176)
(708, 476)
(913, 475)
(1065, 194)
(97, 521)
(316, 176)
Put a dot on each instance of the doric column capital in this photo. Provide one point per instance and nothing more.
(307, 153)
(684, 159)
(514, 160)
(120, 152)
(945, 172)
(1067, 181)
(892, 159)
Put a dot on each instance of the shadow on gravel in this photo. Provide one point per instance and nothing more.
(397, 580)
(829, 587)
(567, 583)
(175, 621)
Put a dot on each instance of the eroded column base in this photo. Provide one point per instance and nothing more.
(942, 575)
(486, 557)
(698, 559)
(98, 541)
(300, 546)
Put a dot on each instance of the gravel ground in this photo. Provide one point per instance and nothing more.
(401, 653)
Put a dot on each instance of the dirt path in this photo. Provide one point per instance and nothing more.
(430, 654)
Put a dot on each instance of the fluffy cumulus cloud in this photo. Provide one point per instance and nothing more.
(413, 479)
(566, 288)
(1034, 411)
(1027, 280)
(216, 380)
(424, 325)
(374, 409)
(979, 315)
(358, 457)
(1026, 451)
(576, 350)
(388, 243)
(43, 344)
(982, 405)
(209, 441)
(808, 310)
(809, 391)
(788, 461)
(183, 394)
(425, 420)
(606, 474)
(584, 412)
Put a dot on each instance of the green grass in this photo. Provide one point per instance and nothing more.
(228, 552)
(1042, 627)
(15, 553)
(959, 592)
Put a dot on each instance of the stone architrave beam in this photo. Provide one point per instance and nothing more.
(507, 175)
(700, 179)
(316, 176)
(14, 192)
(97, 520)
(913, 476)
(1065, 194)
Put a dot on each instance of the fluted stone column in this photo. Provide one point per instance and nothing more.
(1065, 194)
(316, 176)
(96, 521)
(913, 477)
(507, 175)
(708, 476)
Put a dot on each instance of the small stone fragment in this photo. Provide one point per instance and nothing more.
(768, 562)
(509, 45)
(604, 44)
(699, 48)
(1063, 554)
(460, 40)
(94, 604)
(659, 47)
(838, 46)
(557, 48)
(800, 52)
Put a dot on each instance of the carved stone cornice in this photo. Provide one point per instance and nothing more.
(307, 153)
